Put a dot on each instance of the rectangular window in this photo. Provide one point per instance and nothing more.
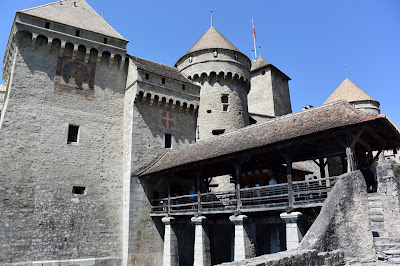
(183, 87)
(167, 141)
(225, 107)
(105, 40)
(147, 75)
(163, 80)
(78, 190)
(224, 98)
(73, 134)
(77, 33)
(47, 25)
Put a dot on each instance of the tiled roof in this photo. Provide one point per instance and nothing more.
(258, 63)
(283, 128)
(160, 69)
(212, 39)
(81, 16)
(350, 92)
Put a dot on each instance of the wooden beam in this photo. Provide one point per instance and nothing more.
(376, 136)
(322, 167)
(360, 131)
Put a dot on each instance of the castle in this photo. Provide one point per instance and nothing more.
(92, 138)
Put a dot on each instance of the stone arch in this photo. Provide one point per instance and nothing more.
(203, 77)
(24, 37)
(81, 52)
(69, 50)
(105, 56)
(55, 45)
(94, 53)
(117, 60)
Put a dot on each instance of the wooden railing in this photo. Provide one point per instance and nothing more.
(306, 193)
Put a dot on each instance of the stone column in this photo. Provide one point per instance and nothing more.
(293, 235)
(244, 247)
(170, 256)
(202, 256)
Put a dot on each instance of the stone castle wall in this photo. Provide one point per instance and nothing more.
(42, 219)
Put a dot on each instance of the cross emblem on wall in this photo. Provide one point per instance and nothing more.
(167, 119)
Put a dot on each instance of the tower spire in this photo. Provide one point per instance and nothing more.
(345, 70)
(211, 20)
(259, 47)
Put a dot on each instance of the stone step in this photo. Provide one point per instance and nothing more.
(387, 240)
(370, 199)
(376, 218)
(395, 252)
(394, 260)
(375, 204)
(387, 247)
(376, 211)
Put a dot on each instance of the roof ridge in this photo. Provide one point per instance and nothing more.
(28, 9)
(154, 162)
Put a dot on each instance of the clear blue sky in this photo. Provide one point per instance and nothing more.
(310, 41)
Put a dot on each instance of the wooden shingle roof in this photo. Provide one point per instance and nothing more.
(350, 92)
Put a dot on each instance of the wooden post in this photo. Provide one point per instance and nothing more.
(169, 197)
(350, 160)
(198, 191)
(290, 183)
(322, 167)
(237, 185)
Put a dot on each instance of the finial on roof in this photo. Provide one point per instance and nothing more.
(259, 47)
(211, 20)
(345, 70)
(252, 54)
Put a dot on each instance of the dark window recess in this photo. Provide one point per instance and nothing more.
(105, 40)
(218, 131)
(147, 75)
(209, 111)
(225, 107)
(224, 99)
(163, 80)
(78, 190)
(47, 26)
(183, 87)
(263, 72)
(168, 141)
(72, 134)
(77, 33)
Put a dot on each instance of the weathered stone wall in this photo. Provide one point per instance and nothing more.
(389, 191)
(343, 222)
(260, 97)
(41, 218)
(282, 104)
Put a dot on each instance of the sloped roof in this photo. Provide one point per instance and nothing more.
(350, 92)
(258, 63)
(80, 15)
(160, 69)
(284, 128)
(212, 39)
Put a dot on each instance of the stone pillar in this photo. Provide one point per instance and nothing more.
(202, 256)
(293, 235)
(244, 247)
(170, 256)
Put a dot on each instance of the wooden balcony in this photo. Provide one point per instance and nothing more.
(306, 194)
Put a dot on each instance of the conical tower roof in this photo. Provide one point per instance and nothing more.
(350, 92)
(258, 63)
(212, 39)
(75, 13)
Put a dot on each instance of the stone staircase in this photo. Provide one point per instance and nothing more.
(388, 248)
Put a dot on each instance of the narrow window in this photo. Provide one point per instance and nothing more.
(190, 58)
(77, 33)
(183, 87)
(218, 131)
(147, 75)
(225, 107)
(78, 190)
(105, 40)
(163, 80)
(224, 99)
(73, 134)
(168, 140)
(215, 52)
(236, 56)
(208, 111)
(47, 26)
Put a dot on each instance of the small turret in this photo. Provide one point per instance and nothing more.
(223, 73)
(355, 95)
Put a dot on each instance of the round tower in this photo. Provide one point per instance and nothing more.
(223, 73)
(356, 96)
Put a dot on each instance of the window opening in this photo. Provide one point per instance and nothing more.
(263, 72)
(190, 58)
(147, 75)
(167, 140)
(163, 80)
(225, 107)
(47, 26)
(209, 111)
(73, 134)
(215, 52)
(105, 40)
(236, 56)
(183, 87)
(224, 99)
(78, 190)
(77, 33)
(218, 131)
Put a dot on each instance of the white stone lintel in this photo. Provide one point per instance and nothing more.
(291, 217)
(198, 220)
(167, 220)
(237, 219)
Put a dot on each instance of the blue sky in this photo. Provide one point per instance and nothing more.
(310, 41)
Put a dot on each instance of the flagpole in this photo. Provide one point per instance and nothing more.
(254, 38)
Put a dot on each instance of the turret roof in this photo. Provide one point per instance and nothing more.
(350, 92)
(212, 39)
(258, 63)
(79, 15)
